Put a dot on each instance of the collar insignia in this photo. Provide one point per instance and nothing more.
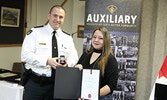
(29, 32)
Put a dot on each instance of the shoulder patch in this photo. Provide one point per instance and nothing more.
(29, 32)
(39, 26)
(66, 33)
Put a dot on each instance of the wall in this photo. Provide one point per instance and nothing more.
(8, 55)
(153, 46)
(78, 15)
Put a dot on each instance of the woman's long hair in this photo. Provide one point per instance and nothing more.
(106, 50)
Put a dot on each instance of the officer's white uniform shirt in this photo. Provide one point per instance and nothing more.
(37, 48)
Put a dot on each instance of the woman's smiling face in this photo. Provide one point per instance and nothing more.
(97, 40)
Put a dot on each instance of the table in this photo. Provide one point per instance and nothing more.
(10, 91)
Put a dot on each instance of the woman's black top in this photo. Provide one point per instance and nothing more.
(111, 69)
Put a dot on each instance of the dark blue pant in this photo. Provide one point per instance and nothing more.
(33, 91)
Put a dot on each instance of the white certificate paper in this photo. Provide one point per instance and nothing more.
(90, 84)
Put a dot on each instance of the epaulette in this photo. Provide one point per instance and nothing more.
(39, 26)
(66, 33)
(29, 32)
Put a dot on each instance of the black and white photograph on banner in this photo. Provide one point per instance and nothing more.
(118, 95)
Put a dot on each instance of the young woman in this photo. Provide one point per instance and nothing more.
(100, 56)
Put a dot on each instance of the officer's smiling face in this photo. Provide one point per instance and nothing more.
(56, 18)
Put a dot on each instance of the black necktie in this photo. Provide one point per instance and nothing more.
(54, 51)
(54, 45)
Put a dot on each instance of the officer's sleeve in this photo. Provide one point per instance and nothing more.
(72, 57)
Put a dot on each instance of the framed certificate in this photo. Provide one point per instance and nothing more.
(71, 83)
(90, 84)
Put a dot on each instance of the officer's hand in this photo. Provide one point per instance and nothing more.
(53, 62)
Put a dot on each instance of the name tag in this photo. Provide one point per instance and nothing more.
(42, 43)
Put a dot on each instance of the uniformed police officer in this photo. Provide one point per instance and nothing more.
(37, 53)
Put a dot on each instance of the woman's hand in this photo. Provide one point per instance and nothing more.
(79, 66)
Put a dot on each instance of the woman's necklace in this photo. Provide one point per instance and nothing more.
(97, 51)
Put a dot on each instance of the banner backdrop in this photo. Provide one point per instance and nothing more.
(122, 19)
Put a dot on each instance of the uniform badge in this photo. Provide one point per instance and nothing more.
(29, 32)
